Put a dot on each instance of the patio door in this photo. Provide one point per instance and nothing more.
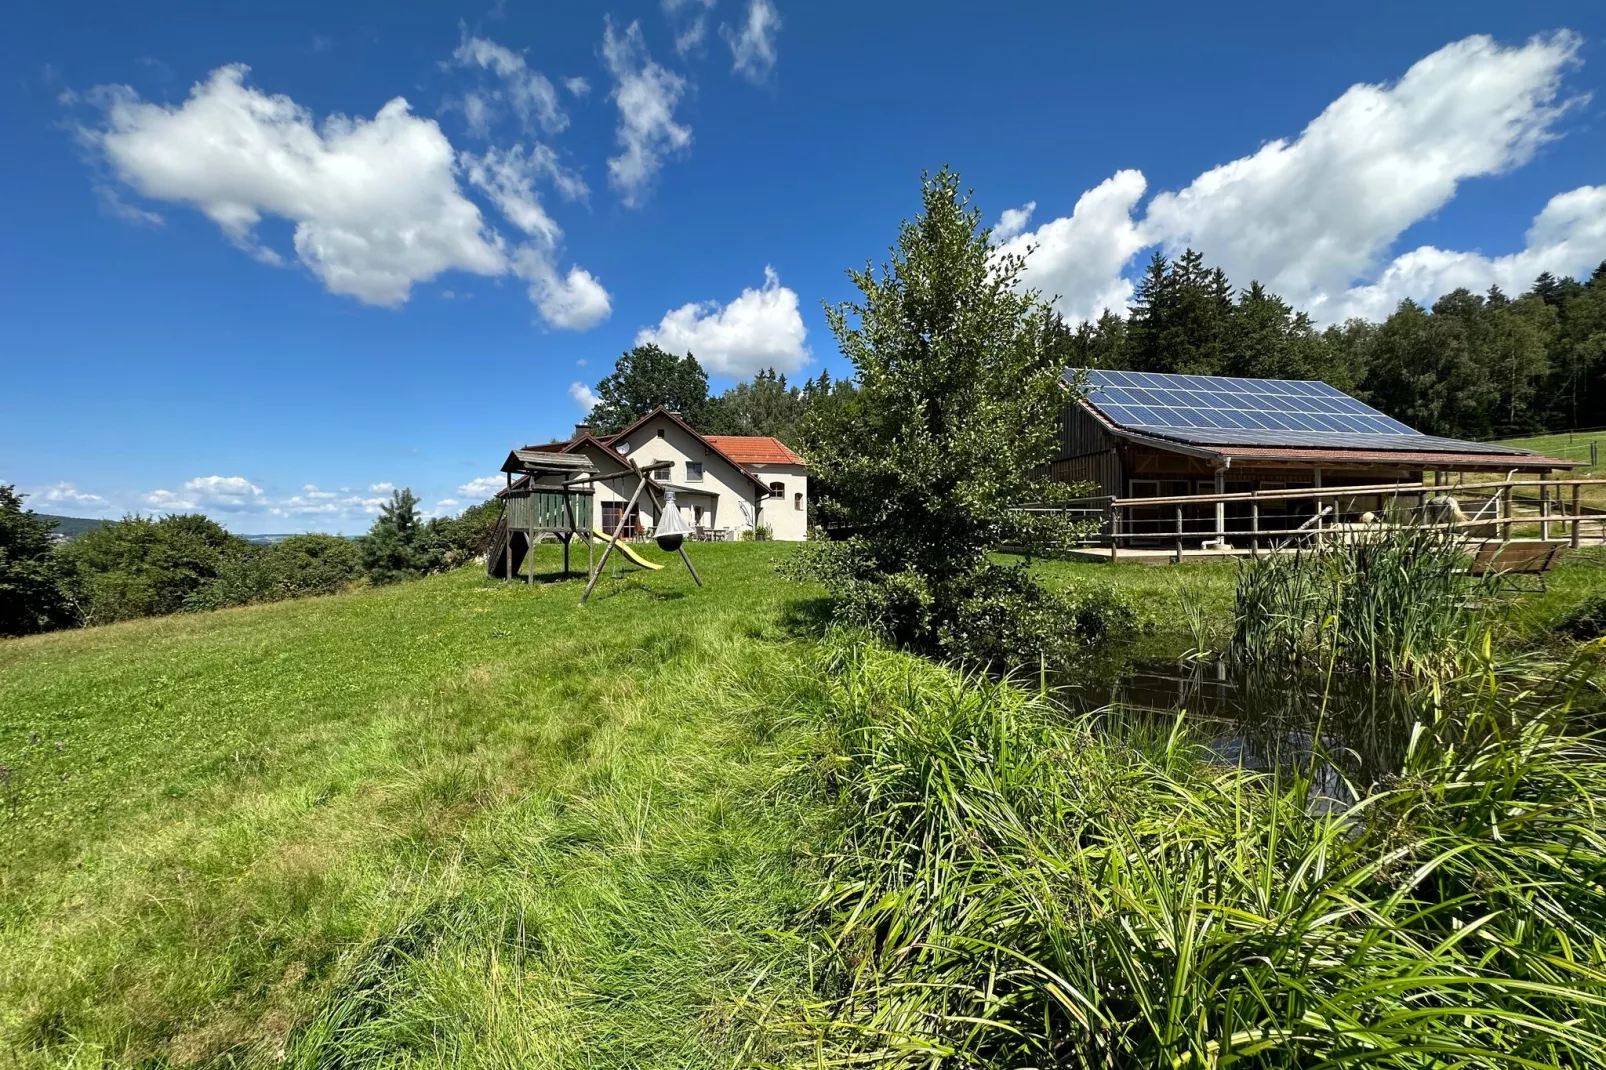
(612, 511)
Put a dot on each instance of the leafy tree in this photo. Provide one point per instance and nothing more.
(398, 546)
(141, 566)
(32, 595)
(959, 388)
(764, 405)
(646, 377)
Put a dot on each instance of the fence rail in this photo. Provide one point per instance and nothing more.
(1550, 510)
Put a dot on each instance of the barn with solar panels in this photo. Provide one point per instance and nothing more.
(1157, 435)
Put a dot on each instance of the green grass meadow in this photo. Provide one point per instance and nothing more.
(466, 823)
(453, 822)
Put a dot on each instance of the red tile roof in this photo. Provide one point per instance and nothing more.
(754, 449)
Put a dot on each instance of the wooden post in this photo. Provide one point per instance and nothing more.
(695, 578)
(1115, 531)
(1316, 481)
(1544, 506)
(1179, 534)
(1221, 506)
(619, 530)
(1505, 508)
(1578, 506)
(1254, 528)
(568, 518)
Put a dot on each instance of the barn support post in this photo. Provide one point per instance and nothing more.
(1115, 531)
(1179, 534)
(1316, 481)
(1221, 506)
(1544, 506)
(1578, 507)
(1254, 528)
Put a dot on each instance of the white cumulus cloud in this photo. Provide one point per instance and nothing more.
(483, 487)
(752, 44)
(583, 396)
(373, 488)
(1078, 258)
(1311, 215)
(375, 204)
(69, 494)
(1012, 222)
(760, 329)
(646, 95)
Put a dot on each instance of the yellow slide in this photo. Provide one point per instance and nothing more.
(626, 549)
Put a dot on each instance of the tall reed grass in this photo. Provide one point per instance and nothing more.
(1011, 886)
(1399, 603)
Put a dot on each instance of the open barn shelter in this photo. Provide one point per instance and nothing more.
(1136, 435)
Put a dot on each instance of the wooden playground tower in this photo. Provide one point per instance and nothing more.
(554, 494)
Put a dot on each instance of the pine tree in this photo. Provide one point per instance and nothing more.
(397, 547)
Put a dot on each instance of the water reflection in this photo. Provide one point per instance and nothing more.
(1261, 720)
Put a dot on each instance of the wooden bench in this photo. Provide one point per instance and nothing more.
(1511, 560)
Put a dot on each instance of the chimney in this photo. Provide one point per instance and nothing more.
(581, 430)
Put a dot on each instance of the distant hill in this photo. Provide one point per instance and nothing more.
(71, 526)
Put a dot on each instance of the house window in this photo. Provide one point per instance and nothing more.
(660, 432)
(694, 471)
(797, 501)
(777, 490)
(664, 473)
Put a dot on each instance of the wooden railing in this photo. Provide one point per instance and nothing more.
(1239, 520)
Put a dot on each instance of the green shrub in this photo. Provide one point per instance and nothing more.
(33, 577)
(997, 615)
(295, 567)
(141, 566)
(1007, 619)
(757, 533)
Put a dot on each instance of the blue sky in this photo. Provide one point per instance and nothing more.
(241, 277)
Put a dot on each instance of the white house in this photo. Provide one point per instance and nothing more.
(723, 484)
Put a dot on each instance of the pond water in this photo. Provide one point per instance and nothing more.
(1259, 720)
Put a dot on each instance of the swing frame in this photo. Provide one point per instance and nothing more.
(643, 482)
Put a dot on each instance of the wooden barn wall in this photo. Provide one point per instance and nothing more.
(1087, 453)
(1081, 434)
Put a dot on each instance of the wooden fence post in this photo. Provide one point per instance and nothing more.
(1578, 512)
(1179, 534)
(1254, 528)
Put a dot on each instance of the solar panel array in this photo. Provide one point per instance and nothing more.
(1213, 402)
(1212, 410)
